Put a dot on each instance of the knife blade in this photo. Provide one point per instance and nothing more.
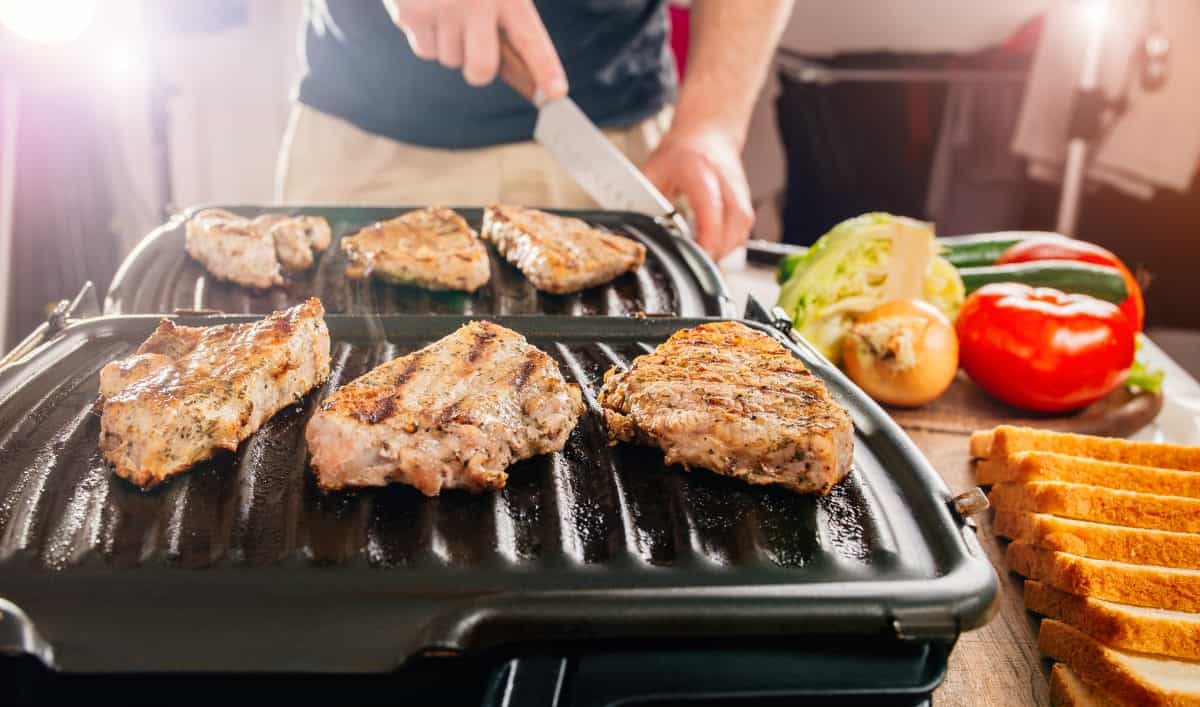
(581, 148)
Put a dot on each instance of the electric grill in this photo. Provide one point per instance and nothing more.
(598, 576)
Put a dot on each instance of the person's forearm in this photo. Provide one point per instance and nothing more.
(730, 48)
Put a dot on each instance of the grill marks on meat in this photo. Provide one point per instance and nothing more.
(733, 400)
(432, 248)
(455, 414)
(255, 252)
(190, 391)
(559, 254)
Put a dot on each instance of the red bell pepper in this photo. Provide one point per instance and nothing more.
(1041, 349)
(1057, 248)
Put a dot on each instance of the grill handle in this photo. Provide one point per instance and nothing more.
(698, 673)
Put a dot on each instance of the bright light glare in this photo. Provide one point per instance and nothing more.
(1095, 13)
(47, 21)
(122, 63)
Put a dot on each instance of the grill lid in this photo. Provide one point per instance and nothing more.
(159, 276)
(243, 564)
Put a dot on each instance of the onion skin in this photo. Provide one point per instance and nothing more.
(902, 353)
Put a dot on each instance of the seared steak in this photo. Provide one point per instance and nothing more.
(559, 254)
(254, 252)
(455, 414)
(432, 248)
(733, 400)
(189, 391)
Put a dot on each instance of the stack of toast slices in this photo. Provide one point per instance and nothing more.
(1107, 534)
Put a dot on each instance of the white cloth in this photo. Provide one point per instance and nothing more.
(1156, 142)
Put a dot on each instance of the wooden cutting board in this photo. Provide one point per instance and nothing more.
(965, 408)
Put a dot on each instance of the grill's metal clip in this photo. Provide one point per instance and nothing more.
(781, 321)
(58, 316)
(968, 503)
(674, 223)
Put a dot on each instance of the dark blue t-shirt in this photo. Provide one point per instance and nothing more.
(361, 69)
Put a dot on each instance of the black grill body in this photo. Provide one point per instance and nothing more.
(599, 575)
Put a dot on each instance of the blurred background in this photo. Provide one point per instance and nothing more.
(114, 114)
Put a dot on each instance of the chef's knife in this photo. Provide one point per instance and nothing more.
(579, 146)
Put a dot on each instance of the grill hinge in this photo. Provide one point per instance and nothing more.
(781, 321)
(19, 637)
(58, 316)
(924, 624)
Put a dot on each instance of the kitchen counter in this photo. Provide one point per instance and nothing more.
(998, 664)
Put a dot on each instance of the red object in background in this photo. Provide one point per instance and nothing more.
(1083, 252)
(680, 19)
(1024, 39)
(1041, 349)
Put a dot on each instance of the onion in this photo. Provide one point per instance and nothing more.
(903, 353)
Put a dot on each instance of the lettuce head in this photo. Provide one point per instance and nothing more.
(845, 274)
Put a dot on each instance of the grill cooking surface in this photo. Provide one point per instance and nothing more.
(159, 277)
(244, 551)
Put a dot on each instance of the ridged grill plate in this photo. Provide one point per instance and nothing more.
(243, 564)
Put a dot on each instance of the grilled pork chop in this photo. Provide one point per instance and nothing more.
(255, 252)
(455, 414)
(296, 239)
(559, 254)
(189, 391)
(727, 398)
(432, 248)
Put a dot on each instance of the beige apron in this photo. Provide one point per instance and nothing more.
(326, 160)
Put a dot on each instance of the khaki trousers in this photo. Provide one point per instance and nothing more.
(326, 160)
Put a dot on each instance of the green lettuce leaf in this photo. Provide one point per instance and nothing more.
(1141, 376)
(843, 275)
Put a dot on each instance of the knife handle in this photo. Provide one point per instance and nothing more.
(516, 74)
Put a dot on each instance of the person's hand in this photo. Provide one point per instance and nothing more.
(705, 165)
(465, 34)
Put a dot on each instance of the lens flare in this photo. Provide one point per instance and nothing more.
(47, 21)
(1095, 13)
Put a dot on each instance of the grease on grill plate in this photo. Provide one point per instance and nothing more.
(589, 504)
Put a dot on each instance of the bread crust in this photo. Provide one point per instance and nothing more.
(1067, 690)
(1118, 625)
(1154, 587)
(1107, 533)
(1128, 508)
(1117, 674)
(1006, 440)
(1052, 466)
(1101, 541)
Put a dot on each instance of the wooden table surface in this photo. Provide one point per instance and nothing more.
(998, 664)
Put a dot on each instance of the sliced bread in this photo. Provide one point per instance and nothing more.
(1140, 585)
(1051, 466)
(1006, 440)
(1130, 678)
(1084, 502)
(981, 444)
(1101, 540)
(1067, 690)
(1133, 628)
